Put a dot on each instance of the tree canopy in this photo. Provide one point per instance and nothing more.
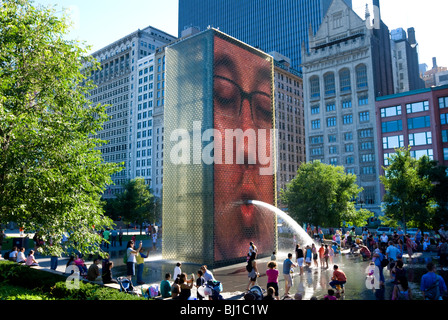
(410, 195)
(136, 203)
(324, 195)
(52, 174)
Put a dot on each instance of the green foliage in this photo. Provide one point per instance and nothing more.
(323, 195)
(136, 203)
(409, 191)
(25, 283)
(52, 174)
(26, 277)
(9, 292)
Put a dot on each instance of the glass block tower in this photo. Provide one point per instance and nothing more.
(270, 25)
(219, 150)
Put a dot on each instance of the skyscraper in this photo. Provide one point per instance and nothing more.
(270, 25)
(405, 61)
(132, 91)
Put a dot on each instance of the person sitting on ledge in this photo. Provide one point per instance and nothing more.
(94, 271)
(30, 260)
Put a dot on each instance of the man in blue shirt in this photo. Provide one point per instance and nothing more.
(287, 264)
(428, 284)
(392, 252)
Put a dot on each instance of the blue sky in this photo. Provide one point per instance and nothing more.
(100, 22)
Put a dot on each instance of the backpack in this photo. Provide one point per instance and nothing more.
(6, 255)
(125, 258)
(249, 266)
(433, 293)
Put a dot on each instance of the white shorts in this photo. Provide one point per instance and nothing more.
(300, 262)
(288, 280)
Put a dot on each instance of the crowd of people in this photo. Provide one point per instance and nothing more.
(383, 251)
(181, 287)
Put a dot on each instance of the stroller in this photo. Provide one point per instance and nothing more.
(215, 287)
(255, 293)
(125, 285)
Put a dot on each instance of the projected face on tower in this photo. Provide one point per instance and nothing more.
(242, 98)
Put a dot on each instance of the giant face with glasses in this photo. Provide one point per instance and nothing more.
(242, 100)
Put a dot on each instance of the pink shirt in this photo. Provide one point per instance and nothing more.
(272, 275)
(30, 260)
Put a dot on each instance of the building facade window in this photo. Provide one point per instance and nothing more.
(368, 170)
(315, 109)
(331, 106)
(315, 124)
(443, 102)
(364, 116)
(331, 122)
(344, 80)
(363, 100)
(444, 118)
(329, 84)
(348, 119)
(386, 157)
(445, 153)
(421, 138)
(419, 122)
(391, 126)
(367, 145)
(317, 151)
(333, 150)
(317, 139)
(444, 135)
(346, 104)
(393, 142)
(348, 136)
(361, 76)
(332, 138)
(315, 87)
(417, 107)
(366, 133)
(417, 154)
(390, 111)
(367, 157)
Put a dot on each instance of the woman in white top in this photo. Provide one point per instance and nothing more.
(131, 258)
(21, 256)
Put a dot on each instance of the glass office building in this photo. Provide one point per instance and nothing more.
(270, 25)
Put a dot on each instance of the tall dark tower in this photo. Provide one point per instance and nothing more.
(381, 55)
(270, 25)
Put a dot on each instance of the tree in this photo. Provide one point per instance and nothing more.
(136, 203)
(51, 173)
(438, 175)
(323, 195)
(409, 191)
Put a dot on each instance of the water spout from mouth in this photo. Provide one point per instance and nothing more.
(304, 238)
